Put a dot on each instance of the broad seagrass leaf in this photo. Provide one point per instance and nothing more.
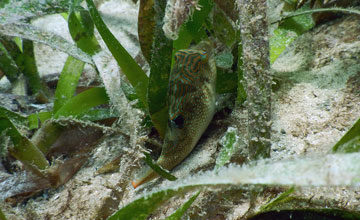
(327, 171)
(8, 65)
(181, 211)
(146, 25)
(22, 52)
(159, 72)
(67, 82)
(128, 65)
(83, 102)
(229, 7)
(23, 149)
(29, 68)
(350, 142)
(16, 118)
(81, 28)
(223, 28)
(287, 32)
(158, 169)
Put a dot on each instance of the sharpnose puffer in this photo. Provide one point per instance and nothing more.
(191, 101)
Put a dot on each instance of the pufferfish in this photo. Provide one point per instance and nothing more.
(191, 101)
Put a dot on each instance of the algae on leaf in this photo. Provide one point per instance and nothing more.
(30, 32)
(146, 25)
(327, 171)
(256, 68)
(230, 143)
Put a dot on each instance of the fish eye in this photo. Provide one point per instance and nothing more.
(179, 121)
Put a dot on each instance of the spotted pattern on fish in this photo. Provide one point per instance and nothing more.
(191, 101)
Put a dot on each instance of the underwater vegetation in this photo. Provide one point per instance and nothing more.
(50, 129)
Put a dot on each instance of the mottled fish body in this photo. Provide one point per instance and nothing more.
(191, 100)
